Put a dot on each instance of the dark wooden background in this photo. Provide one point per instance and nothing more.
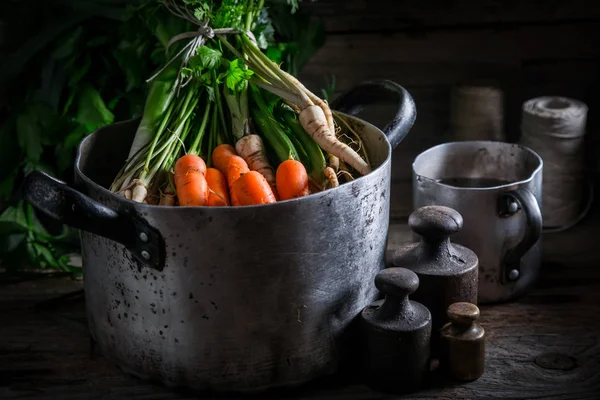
(527, 48)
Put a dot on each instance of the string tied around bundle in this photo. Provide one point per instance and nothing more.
(199, 37)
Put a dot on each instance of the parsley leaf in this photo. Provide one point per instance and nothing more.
(209, 58)
(231, 14)
(236, 75)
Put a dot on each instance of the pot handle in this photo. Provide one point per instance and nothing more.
(509, 204)
(71, 207)
(380, 91)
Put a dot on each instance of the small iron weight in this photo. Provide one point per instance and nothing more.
(397, 332)
(463, 343)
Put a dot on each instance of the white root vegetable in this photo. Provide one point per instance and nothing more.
(167, 198)
(315, 123)
(333, 162)
(252, 149)
(140, 191)
(330, 174)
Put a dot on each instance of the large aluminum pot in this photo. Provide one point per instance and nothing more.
(232, 298)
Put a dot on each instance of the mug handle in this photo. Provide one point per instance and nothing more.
(381, 91)
(509, 204)
(69, 206)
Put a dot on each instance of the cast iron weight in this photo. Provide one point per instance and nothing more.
(463, 343)
(397, 333)
(448, 272)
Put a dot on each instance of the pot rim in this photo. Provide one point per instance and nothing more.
(483, 143)
(142, 206)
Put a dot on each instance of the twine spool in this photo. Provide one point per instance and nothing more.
(554, 127)
(477, 113)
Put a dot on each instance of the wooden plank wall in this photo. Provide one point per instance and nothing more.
(527, 48)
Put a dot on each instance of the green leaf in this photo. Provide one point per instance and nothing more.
(45, 254)
(237, 74)
(29, 136)
(10, 243)
(69, 45)
(294, 5)
(31, 252)
(187, 72)
(113, 103)
(231, 14)
(264, 31)
(274, 54)
(210, 58)
(7, 184)
(77, 73)
(91, 110)
(69, 102)
(211, 93)
(13, 220)
(202, 11)
(262, 42)
(34, 224)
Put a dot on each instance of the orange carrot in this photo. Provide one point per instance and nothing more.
(190, 183)
(219, 193)
(292, 180)
(236, 167)
(220, 157)
(252, 188)
(192, 161)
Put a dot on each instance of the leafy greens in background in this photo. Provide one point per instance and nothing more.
(73, 66)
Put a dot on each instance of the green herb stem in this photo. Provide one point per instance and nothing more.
(220, 111)
(275, 137)
(195, 148)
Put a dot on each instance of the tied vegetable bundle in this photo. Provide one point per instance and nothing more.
(224, 125)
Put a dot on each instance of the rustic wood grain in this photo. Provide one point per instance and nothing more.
(434, 57)
(393, 15)
(545, 346)
(527, 48)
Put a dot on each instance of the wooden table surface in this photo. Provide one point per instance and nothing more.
(544, 346)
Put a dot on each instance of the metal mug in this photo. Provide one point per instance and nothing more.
(497, 188)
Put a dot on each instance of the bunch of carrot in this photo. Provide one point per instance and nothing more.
(223, 125)
(231, 182)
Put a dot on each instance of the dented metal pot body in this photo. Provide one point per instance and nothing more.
(231, 298)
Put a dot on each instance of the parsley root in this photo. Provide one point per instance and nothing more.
(252, 149)
(314, 121)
